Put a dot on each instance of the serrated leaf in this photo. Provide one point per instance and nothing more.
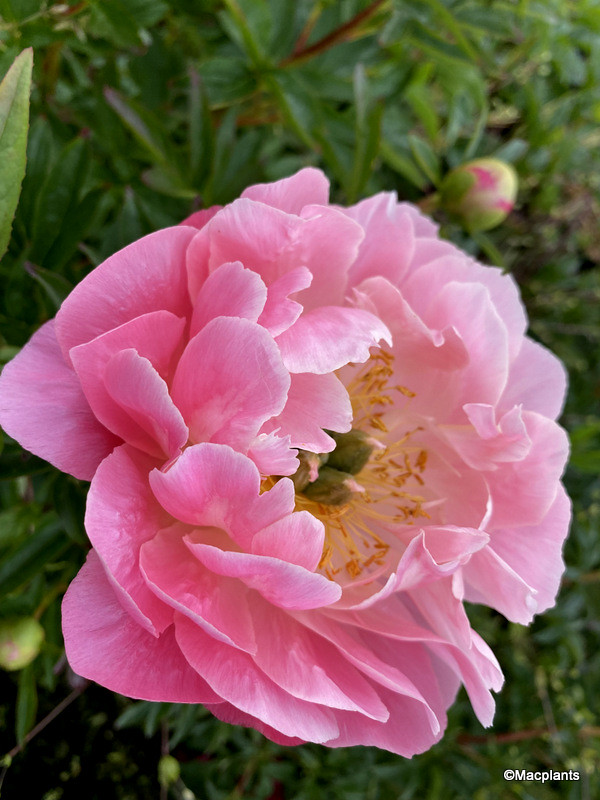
(14, 122)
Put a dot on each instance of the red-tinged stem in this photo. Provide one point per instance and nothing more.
(338, 35)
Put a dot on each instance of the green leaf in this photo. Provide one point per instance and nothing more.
(403, 165)
(59, 198)
(201, 134)
(425, 158)
(367, 133)
(27, 559)
(27, 702)
(55, 286)
(14, 121)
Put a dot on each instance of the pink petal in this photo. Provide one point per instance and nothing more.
(273, 455)
(105, 645)
(121, 515)
(280, 312)
(39, 394)
(241, 382)
(230, 291)
(297, 539)
(523, 492)
(283, 584)
(388, 245)
(212, 485)
(486, 443)
(148, 275)
(537, 379)
(155, 337)
(216, 604)
(309, 667)
(228, 713)
(150, 422)
(308, 185)
(314, 402)
(236, 679)
(490, 580)
(534, 552)
(199, 218)
(327, 338)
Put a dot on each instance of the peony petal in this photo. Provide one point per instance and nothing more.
(329, 337)
(537, 380)
(148, 275)
(43, 407)
(308, 185)
(309, 667)
(150, 422)
(296, 539)
(235, 678)
(314, 402)
(522, 492)
(280, 312)
(281, 583)
(229, 381)
(212, 485)
(199, 218)
(388, 245)
(121, 515)
(534, 552)
(216, 604)
(230, 291)
(273, 455)
(155, 337)
(228, 713)
(105, 645)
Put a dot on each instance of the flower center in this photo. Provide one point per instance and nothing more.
(371, 482)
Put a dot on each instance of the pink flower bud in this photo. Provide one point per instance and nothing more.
(20, 642)
(480, 193)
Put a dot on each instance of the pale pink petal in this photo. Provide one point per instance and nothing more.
(216, 604)
(522, 492)
(105, 645)
(327, 338)
(534, 552)
(537, 379)
(229, 381)
(148, 275)
(297, 539)
(487, 442)
(236, 679)
(483, 334)
(424, 226)
(281, 583)
(230, 291)
(150, 422)
(280, 312)
(388, 245)
(43, 407)
(314, 402)
(308, 185)
(435, 257)
(490, 580)
(121, 515)
(273, 454)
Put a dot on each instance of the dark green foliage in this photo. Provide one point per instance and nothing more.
(143, 111)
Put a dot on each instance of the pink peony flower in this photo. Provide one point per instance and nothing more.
(311, 432)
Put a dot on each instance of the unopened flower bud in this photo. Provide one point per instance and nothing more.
(20, 642)
(308, 469)
(333, 487)
(352, 450)
(168, 770)
(480, 193)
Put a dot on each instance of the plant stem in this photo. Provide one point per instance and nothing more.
(340, 34)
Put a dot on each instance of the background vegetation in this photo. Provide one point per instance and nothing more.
(144, 110)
